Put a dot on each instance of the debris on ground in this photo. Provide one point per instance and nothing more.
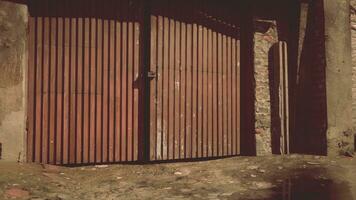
(16, 193)
(252, 167)
(178, 173)
(262, 185)
(313, 163)
(101, 166)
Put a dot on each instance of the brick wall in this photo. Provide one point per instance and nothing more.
(263, 40)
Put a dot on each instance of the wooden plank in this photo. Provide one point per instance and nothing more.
(233, 96)
(72, 92)
(60, 89)
(108, 84)
(137, 85)
(200, 92)
(52, 89)
(229, 95)
(153, 88)
(238, 96)
(118, 89)
(130, 91)
(66, 106)
(176, 90)
(105, 90)
(112, 84)
(170, 100)
(220, 94)
(165, 78)
(98, 90)
(205, 110)
(215, 94)
(224, 95)
(86, 77)
(286, 93)
(79, 91)
(210, 95)
(194, 92)
(92, 92)
(182, 92)
(45, 92)
(189, 91)
(124, 92)
(160, 78)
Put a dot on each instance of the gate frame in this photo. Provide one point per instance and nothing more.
(144, 105)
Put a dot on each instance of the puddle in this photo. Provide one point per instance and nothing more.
(308, 186)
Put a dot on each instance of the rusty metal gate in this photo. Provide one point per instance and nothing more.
(85, 99)
(195, 94)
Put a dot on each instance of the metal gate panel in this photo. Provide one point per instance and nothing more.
(83, 82)
(195, 93)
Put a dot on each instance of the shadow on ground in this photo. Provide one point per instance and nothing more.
(308, 184)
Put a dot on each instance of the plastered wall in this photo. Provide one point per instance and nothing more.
(13, 23)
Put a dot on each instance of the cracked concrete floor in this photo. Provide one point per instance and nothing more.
(271, 177)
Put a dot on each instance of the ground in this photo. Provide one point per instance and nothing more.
(271, 177)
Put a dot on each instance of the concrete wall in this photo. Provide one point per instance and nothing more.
(353, 36)
(338, 76)
(263, 41)
(311, 118)
(324, 93)
(13, 62)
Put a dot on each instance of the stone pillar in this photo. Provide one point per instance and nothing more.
(13, 62)
(338, 76)
(263, 41)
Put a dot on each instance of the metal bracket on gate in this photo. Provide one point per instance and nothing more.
(151, 74)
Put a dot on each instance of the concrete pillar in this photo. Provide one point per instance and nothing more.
(13, 62)
(338, 76)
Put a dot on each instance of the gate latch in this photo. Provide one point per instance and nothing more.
(151, 74)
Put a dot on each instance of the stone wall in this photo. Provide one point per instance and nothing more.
(263, 41)
(13, 23)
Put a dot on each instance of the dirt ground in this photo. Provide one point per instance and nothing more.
(273, 177)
